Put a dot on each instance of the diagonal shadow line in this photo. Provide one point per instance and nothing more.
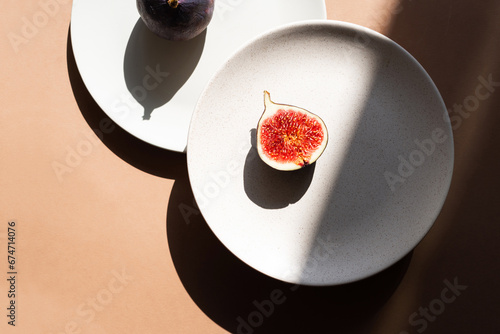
(380, 224)
(146, 157)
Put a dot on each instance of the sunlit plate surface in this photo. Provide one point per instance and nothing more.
(373, 194)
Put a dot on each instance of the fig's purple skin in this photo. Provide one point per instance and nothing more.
(176, 20)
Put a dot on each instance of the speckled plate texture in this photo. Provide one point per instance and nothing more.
(380, 183)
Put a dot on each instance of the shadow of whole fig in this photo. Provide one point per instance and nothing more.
(155, 69)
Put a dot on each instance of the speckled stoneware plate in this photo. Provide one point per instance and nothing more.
(149, 86)
(373, 194)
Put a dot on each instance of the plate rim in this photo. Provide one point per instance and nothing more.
(335, 24)
(103, 107)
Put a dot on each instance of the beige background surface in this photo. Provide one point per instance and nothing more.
(103, 247)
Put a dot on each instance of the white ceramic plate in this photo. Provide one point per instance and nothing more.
(373, 194)
(131, 73)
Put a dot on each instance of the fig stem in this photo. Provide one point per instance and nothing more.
(173, 3)
(267, 98)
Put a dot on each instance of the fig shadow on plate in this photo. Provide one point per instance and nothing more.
(270, 188)
(139, 154)
(155, 68)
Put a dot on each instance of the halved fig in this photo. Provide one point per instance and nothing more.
(289, 137)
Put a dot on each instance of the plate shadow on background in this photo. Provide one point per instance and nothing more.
(227, 290)
(155, 68)
(232, 294)
(270, 188)
(144, 156)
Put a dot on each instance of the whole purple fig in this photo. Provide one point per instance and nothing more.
(176, 20)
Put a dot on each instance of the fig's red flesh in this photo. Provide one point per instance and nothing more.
(291, 136)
